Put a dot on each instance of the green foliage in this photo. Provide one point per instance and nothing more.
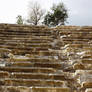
(57, 16)
(19, 19)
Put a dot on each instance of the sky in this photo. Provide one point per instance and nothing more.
(80, 11)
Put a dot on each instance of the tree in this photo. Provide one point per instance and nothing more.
(19, 19)
(57, 16)
(35, 13)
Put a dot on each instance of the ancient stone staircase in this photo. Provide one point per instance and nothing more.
(29, 60)
(42, 59)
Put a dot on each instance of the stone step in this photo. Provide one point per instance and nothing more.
(25, 41)
(86, 61)
(75, 30)
(43, 53)
(84, 71)
(18, 59)
(28, 69)
(24, 32)
(88, 48)
(4, 74)
(33, 89)
(25, 45)
(26, 36)
(23, 48)
(88, 90)
(88, 53)
(76, 34)
(86, 85)
(30, 37)
(32, 82)
(36, 38)
(54, 89)
(55, 65)
(78, 66)
(31, 44)
(83, 66)
(80, 37)
(81, 45)
(26, 29)
(41, 76)
(70, 41)
(5, 50)
(37, 51)
(88, 56)
(19, 34)
(75, 42)
(28, 51)
(84, 40)
(32, 33)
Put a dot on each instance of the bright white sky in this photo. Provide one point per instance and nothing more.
(80, 11)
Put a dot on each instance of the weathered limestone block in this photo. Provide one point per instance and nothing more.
(11, 56)
(39, 76)
(89, 90)
(28, 69)
(19, 64)
(87, 84)
(19, 89)
(4, 74)
(4, 52)
(55, 65)
(78, 66)
(14, 89)
(49, 65)
(42, 53)
(35, 82)
(32, 60)
(31, 76)
(88, 52)
(88, 66)
(86, 61)
(86, 56)
(5, 82)
(84, 76)
(87, 48)
(30, 55)
(48, 89)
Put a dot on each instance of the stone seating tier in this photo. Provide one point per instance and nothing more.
(33, 89)
(28, 69)
(42, 59)
(40, 76)
(56, 65)
(30, 82)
